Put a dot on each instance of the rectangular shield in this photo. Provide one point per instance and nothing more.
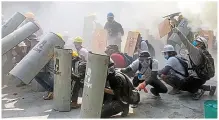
(164, 28)
(131, 43)
(99, 41)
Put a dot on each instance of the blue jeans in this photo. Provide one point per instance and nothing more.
(46, 80)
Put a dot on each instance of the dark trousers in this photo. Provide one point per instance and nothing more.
(192, 85)
(189, 84)
(76, 89)
(157, 85)
(45, 80)
(112, 107)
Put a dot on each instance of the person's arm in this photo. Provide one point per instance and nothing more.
(106, 26)
(194, 52)
(132, 67)
(109, 91)
(121, 29)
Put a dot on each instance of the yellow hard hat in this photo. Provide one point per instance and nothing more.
(60, 35)
(29, 15)
(74, 54)
(78, 39)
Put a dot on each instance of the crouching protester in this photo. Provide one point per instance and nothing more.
(201, 64)
(120, 93)
(175, 70)
(146, 70)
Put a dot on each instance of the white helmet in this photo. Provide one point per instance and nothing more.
(202, 40)
(168, 48)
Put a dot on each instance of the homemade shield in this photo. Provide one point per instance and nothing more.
(62, 77)
(99, 41)
(12, 24)
(18, 36)
(131, 43)
(94, 83)
(164, 28)
(37, 58)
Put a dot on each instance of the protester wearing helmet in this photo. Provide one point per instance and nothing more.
(201, 64)
(83, 53)
(146, 70)
(115, 31)
(174, 71)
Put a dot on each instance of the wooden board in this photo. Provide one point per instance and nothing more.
(99, 41)
(208, 34)
(164, 28)
(131, 43)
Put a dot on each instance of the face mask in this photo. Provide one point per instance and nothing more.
(195, 43)
(145, 63)
(166, 57)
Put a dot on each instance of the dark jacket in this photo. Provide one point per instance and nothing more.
(114, 28)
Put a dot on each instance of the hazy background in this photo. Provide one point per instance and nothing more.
(69, 16)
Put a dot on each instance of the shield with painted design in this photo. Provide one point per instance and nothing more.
(131, 43)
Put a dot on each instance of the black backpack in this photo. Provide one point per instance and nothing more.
(206, 69)
(133, 96)
(184, 63)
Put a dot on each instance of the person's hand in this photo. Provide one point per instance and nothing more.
(142, 86)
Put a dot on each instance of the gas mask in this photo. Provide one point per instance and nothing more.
(145, 62)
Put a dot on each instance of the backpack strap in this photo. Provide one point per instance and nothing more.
(186, 72)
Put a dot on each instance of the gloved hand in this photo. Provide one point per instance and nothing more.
(142, 86)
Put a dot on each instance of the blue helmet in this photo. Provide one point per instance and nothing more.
(110, 15)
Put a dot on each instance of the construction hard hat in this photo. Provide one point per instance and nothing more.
(74, 54)
(202, 40)
(78, 39)
(145, 54)
(168, 48)
(29, 15)
(110, 15)
(59, 35)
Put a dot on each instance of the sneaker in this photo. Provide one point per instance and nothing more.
(198, 94)
(75, 105)
(174, 91)
(212, 90)
(49, 96)
(154, 92)
(21, 84)
(125, 111)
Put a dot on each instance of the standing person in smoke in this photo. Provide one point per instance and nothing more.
(115, 31)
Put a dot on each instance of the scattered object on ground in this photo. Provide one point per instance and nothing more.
(14, 93)
(210, 107)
